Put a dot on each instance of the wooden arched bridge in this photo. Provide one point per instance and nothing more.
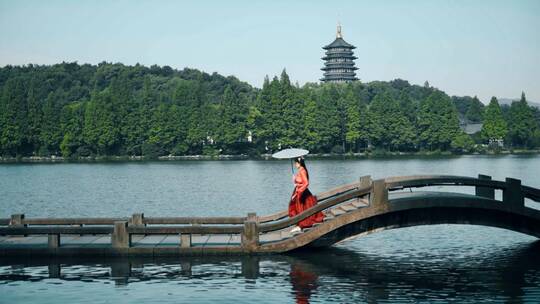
(362, 207)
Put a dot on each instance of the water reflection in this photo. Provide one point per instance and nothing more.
(303, 280)
(510, 274)
(336, 274)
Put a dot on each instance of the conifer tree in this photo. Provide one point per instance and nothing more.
(494, 127)
(475, 112)
(521, 124)
(438, 123)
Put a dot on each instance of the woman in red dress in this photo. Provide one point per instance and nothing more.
(302, 199)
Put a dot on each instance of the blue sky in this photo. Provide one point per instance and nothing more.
(481, 48)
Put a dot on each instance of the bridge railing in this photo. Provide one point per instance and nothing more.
(531, 193)
(250, 227)
(512, 191)
(400, 182)
(138, 219)
(121, 229)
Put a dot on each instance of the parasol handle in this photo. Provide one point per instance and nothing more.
(292, 167)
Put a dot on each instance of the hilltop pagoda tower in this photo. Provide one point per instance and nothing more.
(338, 60)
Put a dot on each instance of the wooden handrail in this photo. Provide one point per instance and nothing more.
(187, 230)
(193, 220)
(72, 221)
(273, 217)
(55, 230)
(400, 182)
(320, 197)
(337, 191)
(531, 193)
(131, 230)
(317, 208)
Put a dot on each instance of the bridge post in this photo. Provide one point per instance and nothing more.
(379, 193)
(53, 240)
(185, 240)
(365, 181)
(250, 234)
(512, 195)
(120, 237)
(484, 191)
(252, 216)
(137, 220)
(17, 220)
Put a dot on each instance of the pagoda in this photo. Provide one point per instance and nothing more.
(339, 64)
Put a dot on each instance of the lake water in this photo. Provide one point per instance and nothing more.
(457, 263)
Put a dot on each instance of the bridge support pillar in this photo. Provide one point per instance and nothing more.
(186, 268)
(185, 240)
(379, 193)
(512, 195)
(53, 240)
(250, 235)
(485, 191)
(120, 237)
(250, 267)
(54, 271)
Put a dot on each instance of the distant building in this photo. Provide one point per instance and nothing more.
(339, 60)
(471, 128)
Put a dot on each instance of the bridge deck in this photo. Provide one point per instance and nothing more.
(138, 240)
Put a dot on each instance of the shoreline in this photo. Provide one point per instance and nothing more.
(97, 159)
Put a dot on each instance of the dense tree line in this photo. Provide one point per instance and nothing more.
(77, 110)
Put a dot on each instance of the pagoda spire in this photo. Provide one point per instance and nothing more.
(338, 34)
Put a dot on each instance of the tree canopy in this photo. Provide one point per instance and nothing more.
(110, 109)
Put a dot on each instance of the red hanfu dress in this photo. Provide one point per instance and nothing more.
(302, 199)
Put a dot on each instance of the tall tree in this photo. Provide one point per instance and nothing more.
(521, 124)
(438, 123)
(35, 116)
(356, 127)
(12, 117)
(100, 129)
(50, 135)
(328, 119)
(292, 111)
(475, 111)
(392, 129)
(494, 127)
(72, 122)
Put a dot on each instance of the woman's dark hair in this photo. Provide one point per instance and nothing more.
(300, 160)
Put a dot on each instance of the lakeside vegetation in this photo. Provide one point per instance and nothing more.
(107, 110)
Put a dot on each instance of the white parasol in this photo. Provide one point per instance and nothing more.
(290, 153)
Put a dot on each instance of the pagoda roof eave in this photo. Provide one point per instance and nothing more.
(339, 79)
(339, 43)
(341, 67)
(348, 57)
